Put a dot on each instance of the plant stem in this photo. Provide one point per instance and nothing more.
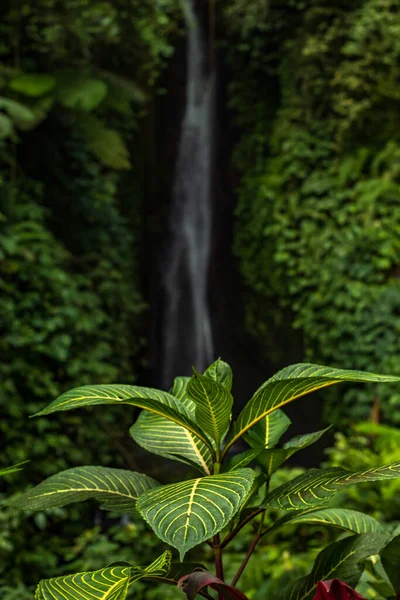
(234, 532)
(250, 551)
(219, 567)
(246, 560)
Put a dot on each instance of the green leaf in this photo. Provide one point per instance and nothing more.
(115, 489)
(106, 144)
(270, 460)
(39, 110)
(122, 91)
(213, 405)
(304, 440)
(243, 459)
(27, 117)
(343, 560)
(251, 505)
(111, 583)
(291, 383)
(160, 567)
(374, 582)
(267, 432)
(319, 485)
(187, 513)
(80, 93)
(17, 111)
(165, 438)
(178, 390)
(220, 372)
(34, 84)
(12, 469)
(390, 558)
(6, 127)
(155, 401)
(342, 518)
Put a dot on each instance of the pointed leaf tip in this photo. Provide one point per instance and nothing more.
(220, 372)
(316, 486)
(292, 383)
(187, 513)
(155, 401)
(110, 583)
(213, 404)
(115, 489)
(166, 438)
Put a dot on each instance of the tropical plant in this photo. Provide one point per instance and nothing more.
(192, 423)
(367, 445)
(314, 87)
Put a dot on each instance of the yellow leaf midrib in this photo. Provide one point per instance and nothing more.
(240, 433)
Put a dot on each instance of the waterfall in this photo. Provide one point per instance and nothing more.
(187, 324)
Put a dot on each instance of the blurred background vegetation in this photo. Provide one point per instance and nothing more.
(312, 92)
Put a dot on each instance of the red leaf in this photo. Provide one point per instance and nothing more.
(198, 580)
(333, 589)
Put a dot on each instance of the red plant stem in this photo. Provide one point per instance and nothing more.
(246, 559)
(235, 531)
(219, 567)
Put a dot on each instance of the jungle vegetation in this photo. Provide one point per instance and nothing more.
(313, 101)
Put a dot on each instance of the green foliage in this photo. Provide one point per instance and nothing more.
(366, 447)
(75, 80)
(9, 470)
(52, 314)
(111, 583)
(35, 84)
(271, 459)
(319, 485)
(187, 513)
(213, 404)
(106, 144)
(342, 560)
(314, 88)
(114, 489)
(166, 438)
(190, 512)
(281, 556)
(343, 518)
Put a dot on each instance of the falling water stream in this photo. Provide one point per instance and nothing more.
(187, 324)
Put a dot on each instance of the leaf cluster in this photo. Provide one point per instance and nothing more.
(317, 233)
(226, 496)
(75, 78)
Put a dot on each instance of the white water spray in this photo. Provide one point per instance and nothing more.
(187, 326)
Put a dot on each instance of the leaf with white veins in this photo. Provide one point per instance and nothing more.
(316, 486)
(291, 383)
(110, 583)
(213, 406)
(115, 489)
(166, 438)
(187, 513)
